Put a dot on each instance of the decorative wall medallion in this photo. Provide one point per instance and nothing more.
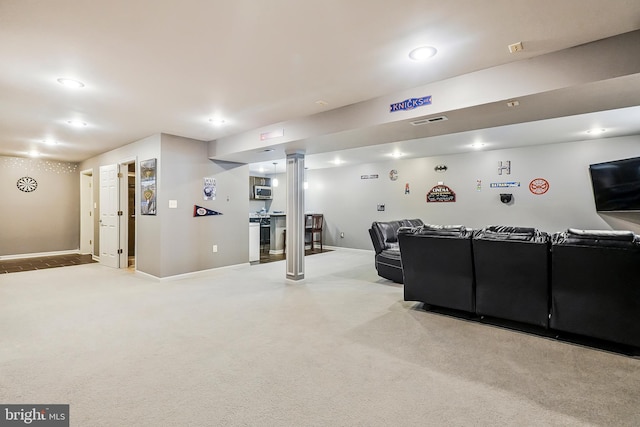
(27, 184)
(440, 168)
(539, 186)
(393, 174)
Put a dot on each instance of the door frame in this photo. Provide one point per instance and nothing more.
(123, 198)
(88, 219)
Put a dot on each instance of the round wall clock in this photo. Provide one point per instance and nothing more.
(27, 184)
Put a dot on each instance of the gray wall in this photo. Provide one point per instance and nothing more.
(147, 227)
(187, 241)
(349, 202)
(45, 220)
(173, 241)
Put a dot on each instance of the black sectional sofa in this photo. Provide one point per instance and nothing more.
(384, 236)
(595, 284)
(438, 266)
(512, 274)
(582, 282)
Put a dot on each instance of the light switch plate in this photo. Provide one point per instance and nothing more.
(173, 204)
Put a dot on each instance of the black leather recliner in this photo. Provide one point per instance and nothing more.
(384, 236)
(512, 274)
(437, 262)
(595, 284)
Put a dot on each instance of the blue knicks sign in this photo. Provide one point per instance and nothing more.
(410, 104)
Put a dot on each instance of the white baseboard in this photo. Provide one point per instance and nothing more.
(187, 275)
(40, 254)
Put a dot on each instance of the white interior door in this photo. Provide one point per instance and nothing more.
(109, 219)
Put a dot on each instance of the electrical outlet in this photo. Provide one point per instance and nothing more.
(215, 248)
(516, 47)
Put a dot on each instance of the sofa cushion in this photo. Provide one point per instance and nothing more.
(441, 230)
(598, 238)
(520, 234)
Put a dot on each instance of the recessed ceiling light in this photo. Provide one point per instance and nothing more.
(70, 83)
(34, 153)
(423, 53)
(76, 123)
(478, 145)
(396, 154)
(596, 131)
(217, 122)
(337, 162)
(50, 141)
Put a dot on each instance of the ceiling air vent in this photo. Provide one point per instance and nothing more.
(429, 120)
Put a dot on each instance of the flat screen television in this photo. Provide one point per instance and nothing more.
(616, 185)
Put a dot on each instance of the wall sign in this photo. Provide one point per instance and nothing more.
(539, 186)
(393, 175)
(504, 184)
(441, 168)
(441, 194)
(410, 104)
(209, 189)
(200, 211)
(369, 176)
(273, 134)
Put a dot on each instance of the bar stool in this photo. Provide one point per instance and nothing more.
(313, 224)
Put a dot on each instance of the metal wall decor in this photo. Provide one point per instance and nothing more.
(27, 184)
(393, 175)
(440, 168)
(504, 166)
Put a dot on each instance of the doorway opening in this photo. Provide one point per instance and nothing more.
(131, 215)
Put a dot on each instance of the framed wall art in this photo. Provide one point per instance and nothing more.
(148, 188)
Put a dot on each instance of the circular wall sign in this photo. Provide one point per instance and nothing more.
(27, 184)
(539, 186)
(393, 174)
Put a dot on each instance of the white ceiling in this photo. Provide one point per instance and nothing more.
(170, 66)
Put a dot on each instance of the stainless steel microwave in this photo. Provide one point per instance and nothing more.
(262, 192)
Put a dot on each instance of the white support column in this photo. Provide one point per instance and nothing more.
(295, 216)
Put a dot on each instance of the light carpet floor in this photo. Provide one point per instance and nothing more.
(241, 346)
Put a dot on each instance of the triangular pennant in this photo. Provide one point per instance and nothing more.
(200, 211)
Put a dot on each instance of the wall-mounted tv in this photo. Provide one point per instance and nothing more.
(616, 185)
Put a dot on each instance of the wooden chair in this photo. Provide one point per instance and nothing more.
(313, 224)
